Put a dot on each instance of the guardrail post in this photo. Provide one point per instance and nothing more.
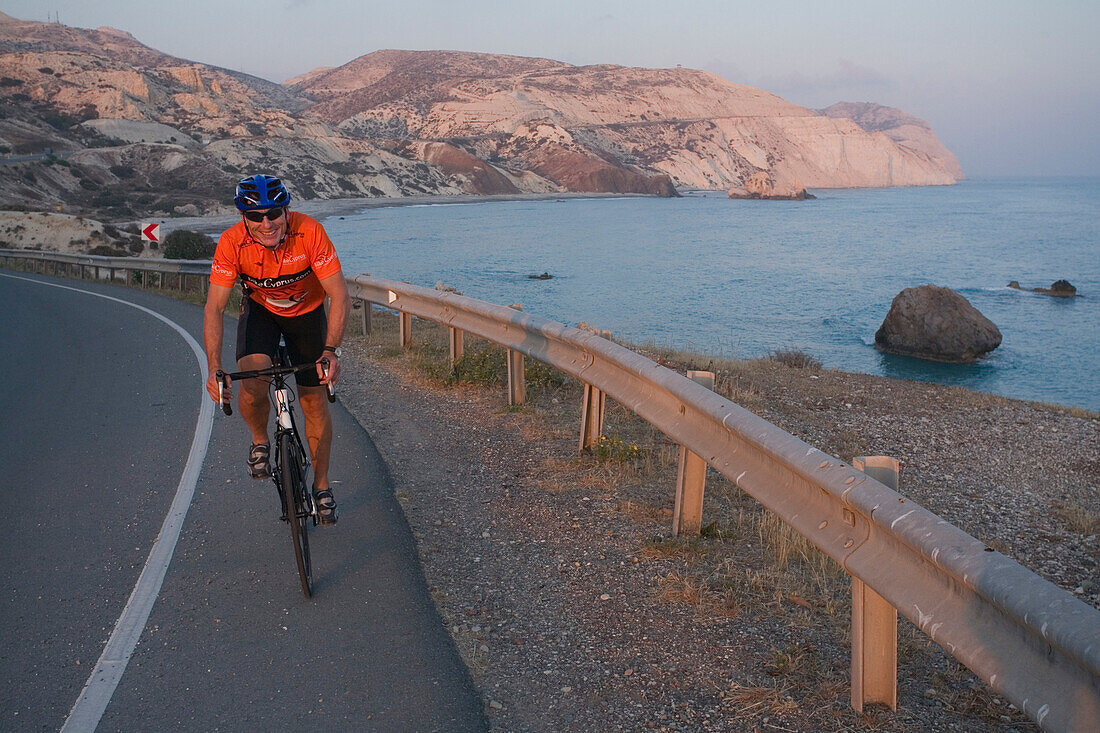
(404, 330)
(457, 347)
(691, 479)
(365, 309)
(591, 417)
(517, 382)
(874, 620)
(592, 408)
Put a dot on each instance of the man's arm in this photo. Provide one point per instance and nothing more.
(213, 327)
(340, 303)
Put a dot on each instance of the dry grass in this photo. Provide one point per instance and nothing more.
(1078, 518)
(692, 591)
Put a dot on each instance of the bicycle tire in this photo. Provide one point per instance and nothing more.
(298, 515)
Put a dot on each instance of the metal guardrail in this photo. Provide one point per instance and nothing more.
(1033, 642)
(136, 264)
(1028, 639)
(97, 265)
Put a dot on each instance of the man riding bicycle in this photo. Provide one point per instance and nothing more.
(286, 265)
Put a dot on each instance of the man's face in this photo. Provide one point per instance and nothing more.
(268, 232)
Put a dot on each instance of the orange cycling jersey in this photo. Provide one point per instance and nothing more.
(286, 281)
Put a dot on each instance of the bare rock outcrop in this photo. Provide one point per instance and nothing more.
(480, 177)
(931, 322)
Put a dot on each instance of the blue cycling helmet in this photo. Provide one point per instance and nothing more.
(260, 192)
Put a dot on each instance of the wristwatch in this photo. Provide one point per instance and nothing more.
(335, 350)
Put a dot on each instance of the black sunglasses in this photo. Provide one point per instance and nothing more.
(258, 216)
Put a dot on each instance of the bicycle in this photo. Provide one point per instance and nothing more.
(291, 459)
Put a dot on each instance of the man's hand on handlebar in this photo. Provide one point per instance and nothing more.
(212, 386)
(328, 369)
(223, 391)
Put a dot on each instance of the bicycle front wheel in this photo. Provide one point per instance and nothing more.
(298, 515)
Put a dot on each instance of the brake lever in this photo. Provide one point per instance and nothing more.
(226, 407)
(331, 387)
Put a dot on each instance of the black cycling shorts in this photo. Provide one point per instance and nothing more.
(258, 331)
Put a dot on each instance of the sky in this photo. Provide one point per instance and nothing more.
(1011, 87)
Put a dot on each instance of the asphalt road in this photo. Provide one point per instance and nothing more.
(96, 427)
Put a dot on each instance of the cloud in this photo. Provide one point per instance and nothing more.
(847, 75)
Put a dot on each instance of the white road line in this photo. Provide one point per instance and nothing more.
(101, 684)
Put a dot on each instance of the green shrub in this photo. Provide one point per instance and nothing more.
(616, 450)
(796, 360)
(107, 250)
(487, 366)
(542, 375)
(183, 244)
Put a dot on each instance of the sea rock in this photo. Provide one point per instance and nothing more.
(931, 322)
(762, 185)
(1058, 288)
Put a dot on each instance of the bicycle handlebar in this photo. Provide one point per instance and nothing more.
(271, 371)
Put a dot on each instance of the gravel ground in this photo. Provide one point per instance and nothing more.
(576, 611)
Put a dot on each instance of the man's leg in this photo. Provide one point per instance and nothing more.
(254, 403)
(314, 403)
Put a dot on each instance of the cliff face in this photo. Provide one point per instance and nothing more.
(901, 127)
(144, 130)
(699, 129)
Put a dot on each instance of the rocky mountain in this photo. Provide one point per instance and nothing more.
(544, 116)
(128, 128)
(901, 127)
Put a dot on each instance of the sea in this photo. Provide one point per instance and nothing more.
(742, 279)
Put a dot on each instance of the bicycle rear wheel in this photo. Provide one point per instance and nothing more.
(294, 480)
